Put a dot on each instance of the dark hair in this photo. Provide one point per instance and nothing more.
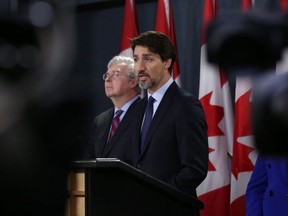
(158, 43)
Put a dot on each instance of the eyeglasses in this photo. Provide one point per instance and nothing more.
(114, 75)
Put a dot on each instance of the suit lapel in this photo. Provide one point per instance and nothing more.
(121, 128)
(165, 103)
(115, 138)
(138, 118)
(101, 139)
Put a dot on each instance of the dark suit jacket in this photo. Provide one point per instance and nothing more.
(267, 189)
(176, 146)
(96, 144)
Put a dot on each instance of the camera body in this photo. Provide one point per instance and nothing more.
(247, 40)
(250, 44)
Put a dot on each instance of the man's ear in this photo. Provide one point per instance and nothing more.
(167, 64)
(134, 83)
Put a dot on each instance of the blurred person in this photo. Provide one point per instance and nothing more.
(267, 189)
(41, 108)
(121, 86)
(175, 148)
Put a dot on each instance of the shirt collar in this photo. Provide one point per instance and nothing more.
(158, 95)
(127, 105)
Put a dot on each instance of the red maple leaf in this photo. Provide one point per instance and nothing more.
(241, 161)
(214, 114)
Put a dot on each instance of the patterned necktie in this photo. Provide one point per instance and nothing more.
(114, 125)
(147, 120)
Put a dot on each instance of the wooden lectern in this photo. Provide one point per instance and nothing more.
(111, 187)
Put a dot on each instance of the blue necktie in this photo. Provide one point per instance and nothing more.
(147, 120)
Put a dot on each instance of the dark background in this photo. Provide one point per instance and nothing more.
(98, 30)
(39, 143)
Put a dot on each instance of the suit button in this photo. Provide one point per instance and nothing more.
(269, 165)
(138, 166)
(270, 193)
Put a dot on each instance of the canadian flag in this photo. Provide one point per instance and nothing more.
(165, 24)
(214, 95)
(284, 5)
(130, 29)
(244, 154)
(246, 5)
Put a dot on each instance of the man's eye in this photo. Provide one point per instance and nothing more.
(116, 73)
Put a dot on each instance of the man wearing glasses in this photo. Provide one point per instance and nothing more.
(109, 131)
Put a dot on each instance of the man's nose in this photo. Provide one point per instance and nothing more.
(140, 66)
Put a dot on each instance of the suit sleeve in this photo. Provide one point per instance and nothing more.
(88, 143)
(256, 189)
(191, 132)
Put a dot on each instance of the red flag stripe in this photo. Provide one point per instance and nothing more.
(218, 201)
(243, 159)
(208, 16)
(214, 191)
(284, 5)
(129, 29)
(165, 24)
(246, 5)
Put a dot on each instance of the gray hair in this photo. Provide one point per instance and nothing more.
(126, 60)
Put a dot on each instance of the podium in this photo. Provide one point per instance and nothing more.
(112, 187)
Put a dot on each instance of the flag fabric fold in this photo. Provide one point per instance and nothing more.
(165, 24)
(244, 153)
(214, 95)
(129, 29)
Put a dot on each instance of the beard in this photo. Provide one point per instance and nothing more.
(150, 83)
(144, 85)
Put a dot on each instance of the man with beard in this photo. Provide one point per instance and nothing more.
(174, 147)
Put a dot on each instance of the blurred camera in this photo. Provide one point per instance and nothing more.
(39, 108)
(247, 40)
(251, 44)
